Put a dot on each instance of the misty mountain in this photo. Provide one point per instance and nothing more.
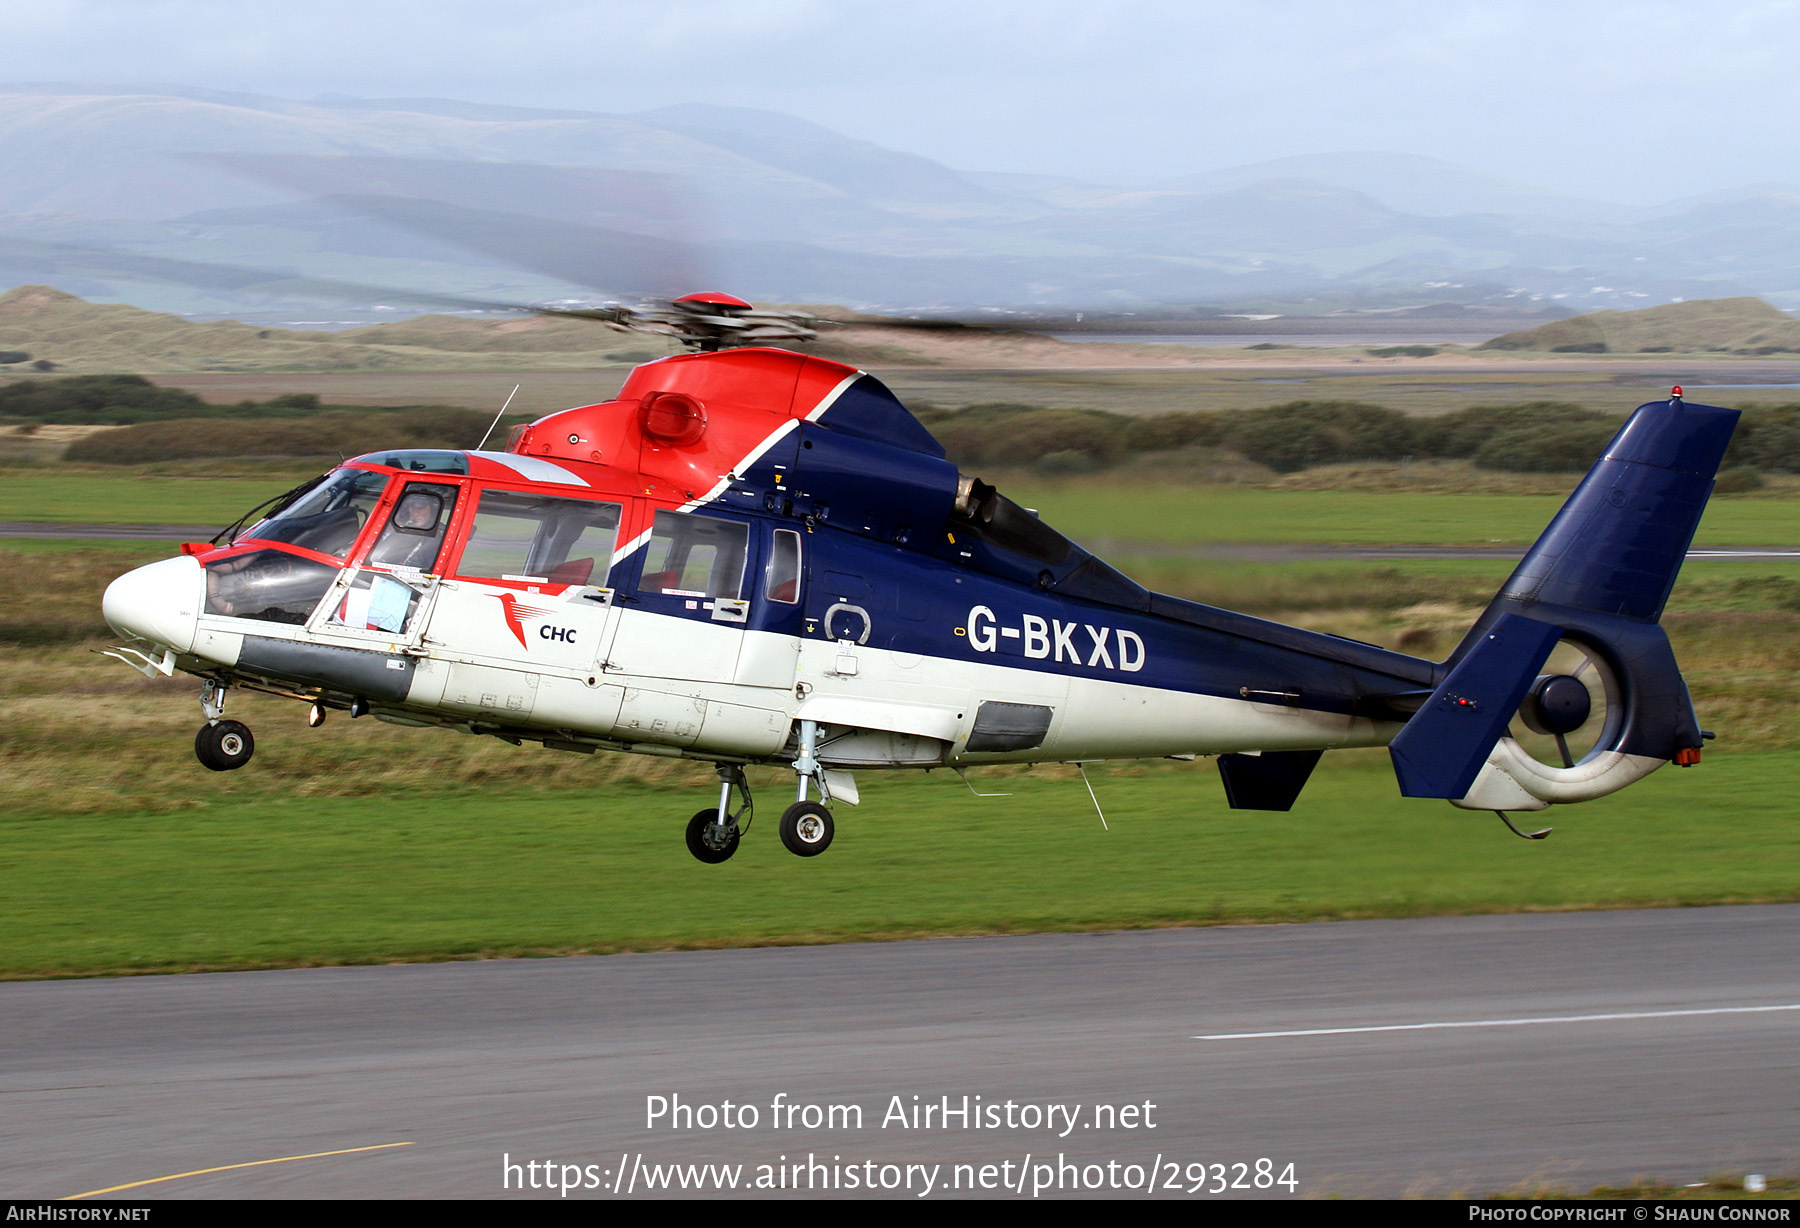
(129, 192)
(1412, 183)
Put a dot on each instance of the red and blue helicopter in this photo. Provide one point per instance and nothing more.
(757, 556)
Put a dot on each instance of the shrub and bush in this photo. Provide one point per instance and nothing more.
(334, 433)
(120, 400)
(1004, 434)
(1532, 437)
(97, 398)
(1767, 438)
(1302, 434)
(160, 424)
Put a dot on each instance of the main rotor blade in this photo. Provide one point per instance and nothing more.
(613, 262)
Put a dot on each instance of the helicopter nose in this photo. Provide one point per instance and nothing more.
(160, 602)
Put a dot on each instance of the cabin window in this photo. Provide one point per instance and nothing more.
(695, 556)
(414, 533)
(781, 579)
(377, 601)
(270, 586)
(540, 539)
(329, 517)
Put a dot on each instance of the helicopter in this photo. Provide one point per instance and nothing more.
(758, 556)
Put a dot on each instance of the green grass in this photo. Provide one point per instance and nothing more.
(1299, 585)
(280, 880)
(359, 842)
(76, 496)
(1177, 514)
(128, 554)
(1092, 509)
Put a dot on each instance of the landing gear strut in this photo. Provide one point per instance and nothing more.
(221, 745)
(806, 827)
(712, 835)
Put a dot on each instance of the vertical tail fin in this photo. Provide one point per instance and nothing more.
(1617, 544)
(1597, 579)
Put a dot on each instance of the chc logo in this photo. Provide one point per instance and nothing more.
(564, 635)
(516, 614)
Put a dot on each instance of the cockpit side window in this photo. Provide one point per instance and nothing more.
(540, 539)
(695, 556)
(327, 518)
(781, 581)
(415, 531)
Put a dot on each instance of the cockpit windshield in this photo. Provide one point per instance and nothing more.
(328, 517)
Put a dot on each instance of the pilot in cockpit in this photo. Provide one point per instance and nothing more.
(414, 533)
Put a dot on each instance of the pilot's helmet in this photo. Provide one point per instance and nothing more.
(418, 512)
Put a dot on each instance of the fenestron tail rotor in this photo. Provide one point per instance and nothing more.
(1567, 714)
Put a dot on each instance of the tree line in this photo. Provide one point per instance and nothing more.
(158, 423)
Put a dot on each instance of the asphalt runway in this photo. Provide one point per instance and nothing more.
(1558, 1049)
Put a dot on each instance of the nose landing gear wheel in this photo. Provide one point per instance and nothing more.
(710, 841)
(806, 829)
(224, 746)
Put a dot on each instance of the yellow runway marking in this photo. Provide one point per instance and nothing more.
(200, 1172)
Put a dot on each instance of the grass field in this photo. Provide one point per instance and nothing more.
(1097, 509)
(72, 495)
(247, 881)
(360, 841)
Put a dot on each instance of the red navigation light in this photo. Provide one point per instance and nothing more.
(672, 417)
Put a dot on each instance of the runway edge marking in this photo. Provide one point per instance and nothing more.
(1501, 1023)
(201, 1172)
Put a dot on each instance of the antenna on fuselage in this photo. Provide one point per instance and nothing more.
(1082, 768)
(1523, 835)
(498, 416)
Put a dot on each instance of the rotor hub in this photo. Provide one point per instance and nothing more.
(1557, 704)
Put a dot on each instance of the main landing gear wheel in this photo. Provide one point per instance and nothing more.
(224, 746)
(806, 829)
(709, 840)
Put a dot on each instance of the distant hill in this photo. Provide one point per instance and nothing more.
(81, 338)
(136, 194)
(1411, 183)
(1706, 326)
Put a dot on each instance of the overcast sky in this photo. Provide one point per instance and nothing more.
(1638, 102)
